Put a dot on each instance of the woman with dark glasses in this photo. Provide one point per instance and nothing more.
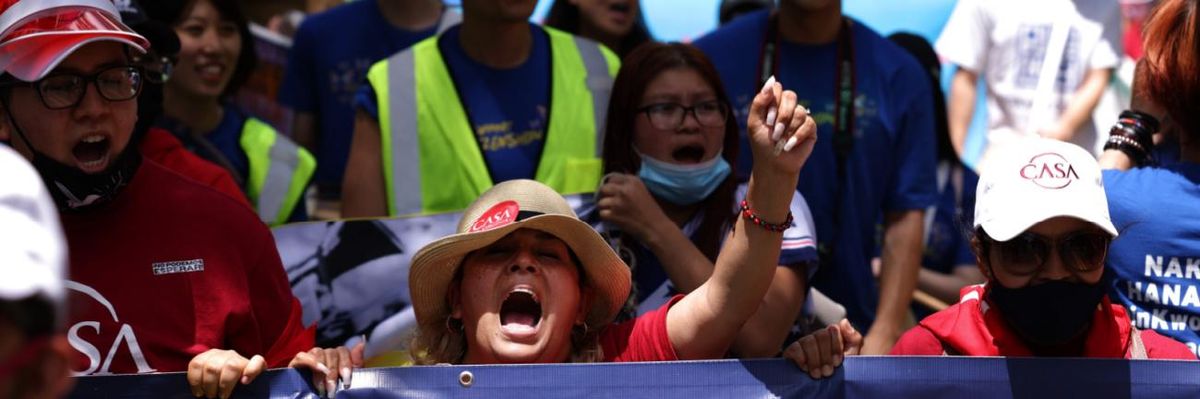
(1042, 231)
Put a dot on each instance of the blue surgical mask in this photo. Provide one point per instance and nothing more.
(683, 184)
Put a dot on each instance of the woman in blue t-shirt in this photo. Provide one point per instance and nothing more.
(1156, 260)
(216, 57)
(669, 199)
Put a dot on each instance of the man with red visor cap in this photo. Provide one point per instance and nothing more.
(165, 274)
(1042, 231)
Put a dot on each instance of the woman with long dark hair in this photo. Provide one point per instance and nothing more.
(668, 199)
(216, 56)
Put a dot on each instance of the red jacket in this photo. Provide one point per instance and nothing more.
(972, 328)
(162, 147)
(169, 269)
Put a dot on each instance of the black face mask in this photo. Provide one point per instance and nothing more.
(1051, 313)
(75, 190)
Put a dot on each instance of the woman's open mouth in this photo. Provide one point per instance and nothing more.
(691, 153)
(520, 313)
(91, 153)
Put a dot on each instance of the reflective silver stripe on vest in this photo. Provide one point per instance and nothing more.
(599, 82)
(402, 110)
(285, 159)
(449, 18)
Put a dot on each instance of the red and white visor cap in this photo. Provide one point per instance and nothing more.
(36, 35)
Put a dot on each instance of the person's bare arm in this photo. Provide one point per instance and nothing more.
(945, 286)
(625, 202)
(1116, 159)
(765, 332)
(1079, 111)
(961, 107)
(363, 186)
(706, 321)
(901, 260)
(304, 130)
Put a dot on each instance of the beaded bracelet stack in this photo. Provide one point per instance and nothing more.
(1133, 135)
(758, 221)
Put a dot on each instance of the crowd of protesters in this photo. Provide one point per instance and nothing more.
(792, 184)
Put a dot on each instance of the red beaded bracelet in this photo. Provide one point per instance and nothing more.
(753, 218)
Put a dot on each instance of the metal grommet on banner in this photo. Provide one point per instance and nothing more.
(465, 379)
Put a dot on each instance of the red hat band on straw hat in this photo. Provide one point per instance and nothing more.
(36, 35)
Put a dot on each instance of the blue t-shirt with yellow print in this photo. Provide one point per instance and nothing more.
(507, 108)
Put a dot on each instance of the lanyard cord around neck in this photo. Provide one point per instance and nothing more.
(843, 109)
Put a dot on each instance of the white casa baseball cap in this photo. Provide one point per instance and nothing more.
(1035, 179)
(37, 35)
(32, 249)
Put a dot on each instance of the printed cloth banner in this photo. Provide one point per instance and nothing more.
(860, 377)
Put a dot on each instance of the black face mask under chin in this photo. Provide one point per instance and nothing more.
(76, 190)
(1051, 313)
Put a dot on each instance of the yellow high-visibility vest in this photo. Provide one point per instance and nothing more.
(279, 171)
(431, 158)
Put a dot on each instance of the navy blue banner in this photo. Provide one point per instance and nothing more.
(861, 377)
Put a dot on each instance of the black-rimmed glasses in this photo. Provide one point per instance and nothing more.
(65, 90)
(669, 116)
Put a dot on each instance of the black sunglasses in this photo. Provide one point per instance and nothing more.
(1025, 255)
(65, 90)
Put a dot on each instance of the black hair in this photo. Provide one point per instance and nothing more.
(923, 52)
(34, 316)
(173, 12)
(565, 16)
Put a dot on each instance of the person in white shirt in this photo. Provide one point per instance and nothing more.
(1046, 64)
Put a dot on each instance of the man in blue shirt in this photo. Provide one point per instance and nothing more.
(495, 98)
(877, 165)
(328, 62)
(507, 106)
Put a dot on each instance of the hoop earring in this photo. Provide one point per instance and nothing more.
(583, 327)
(454, 326)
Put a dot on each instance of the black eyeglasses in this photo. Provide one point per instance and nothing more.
(1025, 255)
(669, 116)
(64, 90)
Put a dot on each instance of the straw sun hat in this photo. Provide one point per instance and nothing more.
(506, 207)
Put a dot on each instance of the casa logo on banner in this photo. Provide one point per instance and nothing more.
(497, 216)
(1049, 170)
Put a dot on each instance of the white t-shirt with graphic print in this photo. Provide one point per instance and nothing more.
(1007, 42)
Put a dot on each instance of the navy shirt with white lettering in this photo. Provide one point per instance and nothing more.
(1156, 258)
